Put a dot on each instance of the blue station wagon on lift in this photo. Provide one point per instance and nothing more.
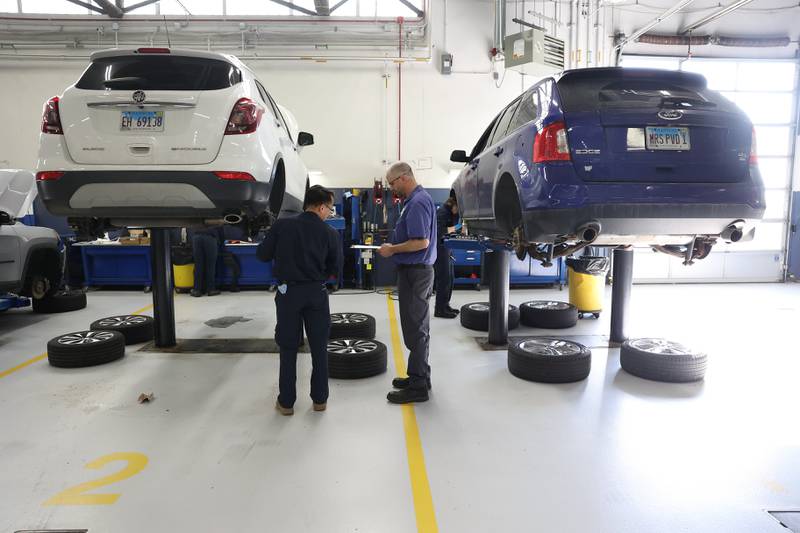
(613, 156)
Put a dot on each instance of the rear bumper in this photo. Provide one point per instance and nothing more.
(645, 221)
(142, 195)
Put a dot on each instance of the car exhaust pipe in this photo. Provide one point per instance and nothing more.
(733, 233)
(232, 218)
(588, 232)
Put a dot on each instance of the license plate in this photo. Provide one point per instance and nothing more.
(142, 121)
(663, 138)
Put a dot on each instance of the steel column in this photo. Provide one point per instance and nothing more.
(622, 279)
(497, 263)
(163, 302)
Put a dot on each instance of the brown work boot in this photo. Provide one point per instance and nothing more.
(285, 411)
(320, 406)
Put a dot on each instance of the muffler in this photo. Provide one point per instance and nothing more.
(734, 232)
(588, 232)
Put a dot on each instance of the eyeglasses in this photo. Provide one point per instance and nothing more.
(392, 181)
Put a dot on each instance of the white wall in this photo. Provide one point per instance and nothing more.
(349, 107)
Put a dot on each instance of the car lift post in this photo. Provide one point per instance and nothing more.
(497, 262)
(163, 302)
(622, 279)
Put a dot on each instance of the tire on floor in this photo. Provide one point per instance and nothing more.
(356, 358)
(135, 328)
(476, 316)
(549, 360)
(662, 360)
(60, 302)
(85, 348)
(352, 326)
(548, 314)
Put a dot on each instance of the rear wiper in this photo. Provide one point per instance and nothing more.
(131, 82)
(682, 101)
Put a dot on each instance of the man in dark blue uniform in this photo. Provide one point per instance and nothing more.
(413, 249)
(446, 222)
(206, 243)
(306, 252)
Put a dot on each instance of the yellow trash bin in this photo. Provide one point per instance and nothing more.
(183, 276)
(586, 277)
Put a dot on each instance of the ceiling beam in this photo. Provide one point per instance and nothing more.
(714, 16)
(87, 6)
(112, 10)
(412, 7)
(338, 5)
(128, 9)
(296, 8)
(322, 7)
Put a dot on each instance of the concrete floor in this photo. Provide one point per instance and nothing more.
(614, 453)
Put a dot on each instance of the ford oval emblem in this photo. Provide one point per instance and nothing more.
(670, 114)
(138, 97)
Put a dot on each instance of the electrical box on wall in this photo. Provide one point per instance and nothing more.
(534, 53)
(447, 63)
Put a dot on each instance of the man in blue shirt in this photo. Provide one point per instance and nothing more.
(413, 249)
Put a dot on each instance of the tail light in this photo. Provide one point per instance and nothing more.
(49, 175)
(245, 117)
(753, 150)
(551, 144)
(238, 176)
(152, 50)
(51, 119)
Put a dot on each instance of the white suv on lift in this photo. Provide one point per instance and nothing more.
(156, 137)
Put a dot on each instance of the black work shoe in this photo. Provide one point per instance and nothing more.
(196, 293)
(402, 383)
(456, 311)
(407, 396)
(234, 288)
(445, 314)
(213, 292)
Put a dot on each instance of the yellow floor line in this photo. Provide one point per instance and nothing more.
(420, 488)
(143, 309)
(23, 365)
(39, 357)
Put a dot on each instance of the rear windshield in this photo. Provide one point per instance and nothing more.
(637, 88)
(159, 72)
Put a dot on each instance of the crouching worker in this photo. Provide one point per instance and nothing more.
(305, 252)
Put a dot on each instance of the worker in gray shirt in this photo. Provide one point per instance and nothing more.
(413, 249)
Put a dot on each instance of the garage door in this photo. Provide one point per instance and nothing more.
(767, 91)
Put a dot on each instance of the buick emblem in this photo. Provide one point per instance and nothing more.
(667, 114)
(138, 97)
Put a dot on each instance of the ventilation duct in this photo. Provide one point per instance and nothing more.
(499, 24)
(699, 40)
(685, 40)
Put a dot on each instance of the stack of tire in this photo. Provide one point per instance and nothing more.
(353, 352)
(542, 359)
(102, 343)
(549, 360)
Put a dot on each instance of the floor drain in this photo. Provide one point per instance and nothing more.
(788, 519)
